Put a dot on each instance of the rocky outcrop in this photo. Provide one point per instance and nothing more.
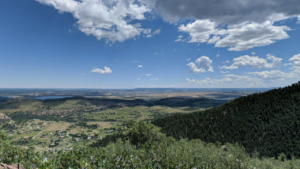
(223, 147)
(13, 166)
(4, 117)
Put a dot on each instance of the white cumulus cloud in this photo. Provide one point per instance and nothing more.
(296, 64)
(286, 64)
(179, 38)
(154, 79)
(202, 63)
(237, 37)
(200, 30)
(229, 79)
(140, 65)
(106, 70)
(295, 59)
(110, 20)
(224, 71)
(148, 74)
(254, 61)
(248, 35)
(157, 31)
(273, 74)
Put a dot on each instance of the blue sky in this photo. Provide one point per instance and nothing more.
(148, 43)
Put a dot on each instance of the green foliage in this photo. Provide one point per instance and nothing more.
(138, 133)
(107, 140)
(282, 157)
(268, 122)
(182, 154)
(8, 126)
(3, 138)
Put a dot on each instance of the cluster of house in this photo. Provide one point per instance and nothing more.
(109, 131)
(27, 139)
(55, 149)
(112, 130)
(64, 111)
(77, 137)
(43, 135)
(90, 137)
(38, 128)
(59, 138)
(149, 117)
(54, 143)
(59, 132)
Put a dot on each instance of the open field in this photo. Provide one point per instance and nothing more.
(107, 119)
(58, 126)
(35, 122)
(102, 124)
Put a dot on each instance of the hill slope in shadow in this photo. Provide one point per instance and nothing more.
(268, 122)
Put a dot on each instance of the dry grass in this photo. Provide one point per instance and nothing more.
(75, 130)
(68, 104)
(37, 121)
(33, 106)
(80, 130)
(58, 126)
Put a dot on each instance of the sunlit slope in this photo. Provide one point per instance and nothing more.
(32, 105)
(268, 122)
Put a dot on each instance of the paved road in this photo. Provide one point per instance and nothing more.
(28, 125)
(36, 135)
(69, 137)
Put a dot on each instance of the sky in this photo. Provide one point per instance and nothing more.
(149, 43)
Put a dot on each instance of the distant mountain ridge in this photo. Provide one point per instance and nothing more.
(69, 109)
(268, 122)
(62, 103)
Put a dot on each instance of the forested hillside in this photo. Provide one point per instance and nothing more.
(268, 122)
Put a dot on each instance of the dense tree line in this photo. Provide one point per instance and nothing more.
(107, 140)
(189, 102)
(84, 124)
(268, 122)
(137, 132)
